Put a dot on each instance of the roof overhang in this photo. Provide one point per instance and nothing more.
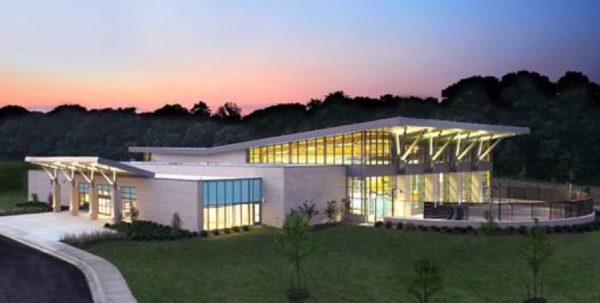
(95, 164)
(404, 125)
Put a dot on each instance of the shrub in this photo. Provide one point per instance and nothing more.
(548, 229)
(435, 228)
(399, 225)
(523, 229)
(175, 225)
(470, 229)
(332, 210)
(236, 229)
(558, 229)
(388, 224)
(446, 229)
(509, 230)
(203, 234)
(216, 232)
(490, 227)
(85, 240)
(410, 226)
(423, 227)
(34, 197)
(227, 230)
(378, 224)
(245, 227)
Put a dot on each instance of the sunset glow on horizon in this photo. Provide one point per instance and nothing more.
(256, 53)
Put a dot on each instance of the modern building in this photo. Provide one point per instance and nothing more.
(380, 169)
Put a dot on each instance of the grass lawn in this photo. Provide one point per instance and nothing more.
(13, 183)
(352, 264)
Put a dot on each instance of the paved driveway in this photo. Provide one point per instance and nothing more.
(43, 231)
(51, 226)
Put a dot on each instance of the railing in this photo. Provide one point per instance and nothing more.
(514, 211)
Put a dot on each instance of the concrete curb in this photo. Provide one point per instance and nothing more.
(104, 280)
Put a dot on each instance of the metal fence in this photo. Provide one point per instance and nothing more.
(513, 211)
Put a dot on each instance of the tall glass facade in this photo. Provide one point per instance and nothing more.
(370, 196)
(371, 147)
(229, 203)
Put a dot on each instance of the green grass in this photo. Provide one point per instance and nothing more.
(13, 183)
(352, 264)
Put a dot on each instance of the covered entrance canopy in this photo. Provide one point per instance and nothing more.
(90, 169)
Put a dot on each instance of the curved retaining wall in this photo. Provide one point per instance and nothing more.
(476, 224)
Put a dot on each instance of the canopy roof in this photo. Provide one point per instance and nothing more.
(398, 125)
(92, 164)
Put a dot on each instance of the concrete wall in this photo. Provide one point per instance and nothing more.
(314, 184)
(272, 182)
(159, 199)
(38, 182)
(229, 157)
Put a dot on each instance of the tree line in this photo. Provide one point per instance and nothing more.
(563, 116)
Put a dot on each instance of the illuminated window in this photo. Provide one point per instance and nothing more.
(465, 193)
(370, 196)
(229, 203)
(128, 201)
(84, 195)
(104, 197)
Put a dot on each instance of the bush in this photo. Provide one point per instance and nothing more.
(236, 229)
(548, 229)
(203, 234)
(435, 228)
(423, 227)
(245, 228)
(446, 229)
(469, 229)
(523, 229)
(85, 240)
(146, 230)
(410, 226)
(227, 230)
(216, 232)
(378, 224)
(558, 229)
(509, 230)
(388, 224)
(400, 225)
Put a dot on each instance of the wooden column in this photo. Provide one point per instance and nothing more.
(115, 200)
(56, 195)
(93, 201)
(74, 199)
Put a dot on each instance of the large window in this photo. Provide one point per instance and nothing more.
(465, 193)
(104, 197)
(371, 147)
(229, 203)
(128, 200)
(370, 196)
(83, 190)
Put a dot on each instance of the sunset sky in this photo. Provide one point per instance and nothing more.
(147, 53)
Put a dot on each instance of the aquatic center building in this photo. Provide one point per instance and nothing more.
(380, 169)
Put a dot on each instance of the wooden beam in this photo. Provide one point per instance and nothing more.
(412, 146)
(489, 149)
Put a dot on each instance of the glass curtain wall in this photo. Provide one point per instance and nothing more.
(229, 203)
(371, 147)
(370, 196)
(465, 193)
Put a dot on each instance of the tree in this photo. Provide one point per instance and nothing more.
(171, 110)
(296, 242)
(229, 112)
(200, 109)
(535, 250)
(427, 282)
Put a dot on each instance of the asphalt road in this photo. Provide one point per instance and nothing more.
(27, 275)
